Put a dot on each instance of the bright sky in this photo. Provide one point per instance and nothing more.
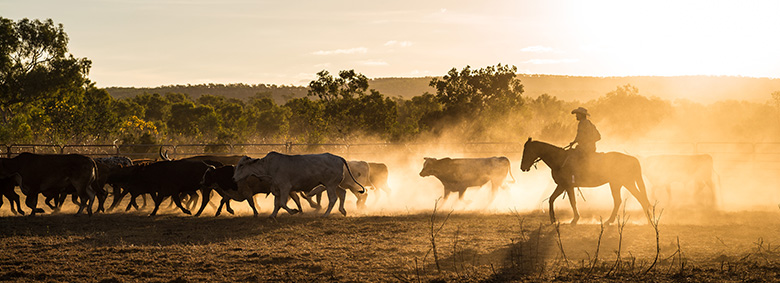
(163, 42)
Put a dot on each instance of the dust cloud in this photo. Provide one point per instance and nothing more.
(740, 137)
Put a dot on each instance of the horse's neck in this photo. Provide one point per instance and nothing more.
(553, 156)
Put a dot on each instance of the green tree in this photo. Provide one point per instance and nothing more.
(415, 116)
(477, 104)
(187, 118)
(626, 114)
(350, 111)
(346, 86)
(307, 120)
(35, 63)
(271, 121)
(493, 89)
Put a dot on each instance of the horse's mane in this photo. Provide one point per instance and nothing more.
(544, 144)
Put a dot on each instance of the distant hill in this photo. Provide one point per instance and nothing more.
(703, 89)
(280, 94)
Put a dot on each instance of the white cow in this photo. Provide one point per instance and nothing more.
(287, 173)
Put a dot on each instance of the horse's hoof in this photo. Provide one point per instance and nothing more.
(294, 211)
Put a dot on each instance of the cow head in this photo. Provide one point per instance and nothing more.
(429, 167)
(209, 177)
(248, 166)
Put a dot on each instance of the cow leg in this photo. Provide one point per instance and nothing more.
(251, 201)
(557, 192)
(193, 200)
(280, 199)
(311, 202)
(13, 198)
(446, 194)
(143, 198)
(342, 194)
(206, 197)
(158, 199)
(616, 200)
(130, 203)
(297, 200)
(228, 208)
(32, 202)
(219, 208)
(86, 196)
(461, 192)
(333, 195)
(119, 194)
(102, 195)
(52, 206)
(361, 199)
(177, 200)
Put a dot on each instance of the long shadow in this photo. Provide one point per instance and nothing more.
(139, 229)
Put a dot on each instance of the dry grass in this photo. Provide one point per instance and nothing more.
(521, 246)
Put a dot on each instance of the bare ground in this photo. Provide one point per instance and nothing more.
(172, 247)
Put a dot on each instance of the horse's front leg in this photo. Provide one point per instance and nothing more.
(558, 191)
(573, 201)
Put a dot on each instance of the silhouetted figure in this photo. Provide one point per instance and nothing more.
(584, 145)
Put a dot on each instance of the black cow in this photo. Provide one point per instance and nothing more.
(162, 179)
(458, 174)
(51, 174)
(378, 175)
(105, 167)
(7, 189)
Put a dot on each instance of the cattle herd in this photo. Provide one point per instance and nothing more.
(235, 177)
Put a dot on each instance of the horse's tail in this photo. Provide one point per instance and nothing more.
(640, 184)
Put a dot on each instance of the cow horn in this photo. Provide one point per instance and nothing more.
(164, 156)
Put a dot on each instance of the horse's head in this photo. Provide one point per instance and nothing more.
(530, 156)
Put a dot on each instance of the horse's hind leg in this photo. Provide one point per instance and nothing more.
(642, 198)
(616, 200)
(573, 202)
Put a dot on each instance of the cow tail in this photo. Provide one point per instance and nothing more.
(510, 170)
(353, 177)
(94, 178)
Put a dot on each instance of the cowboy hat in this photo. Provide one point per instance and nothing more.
(580, 110)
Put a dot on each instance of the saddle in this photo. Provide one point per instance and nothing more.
(580, 165)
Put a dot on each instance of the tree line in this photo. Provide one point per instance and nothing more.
(47, 97)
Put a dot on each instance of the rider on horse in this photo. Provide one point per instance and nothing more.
(587, 136)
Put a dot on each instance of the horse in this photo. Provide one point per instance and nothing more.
(617, 169)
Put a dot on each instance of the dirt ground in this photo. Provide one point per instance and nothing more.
(470, 246)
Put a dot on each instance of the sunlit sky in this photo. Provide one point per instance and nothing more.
(164, 42)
